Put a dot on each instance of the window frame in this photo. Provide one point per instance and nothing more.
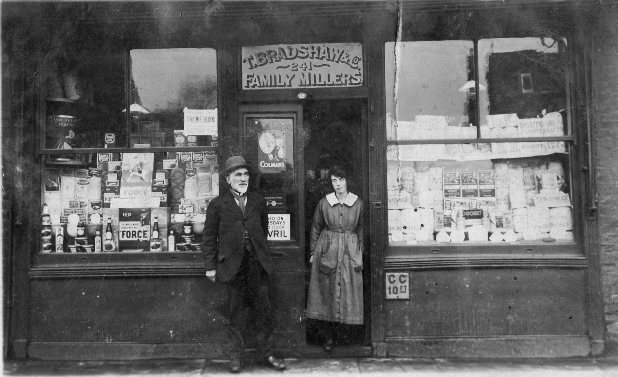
(566, 253)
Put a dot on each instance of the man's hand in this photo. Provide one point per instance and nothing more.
(311, 259)
(211, 275)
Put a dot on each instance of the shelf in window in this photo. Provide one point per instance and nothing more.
(560, 254)
(61, 99)
(481, 249)
(65, 162)
(481, 140)
(127, 150)
(122, 265)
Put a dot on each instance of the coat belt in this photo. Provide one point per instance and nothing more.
(339, 230)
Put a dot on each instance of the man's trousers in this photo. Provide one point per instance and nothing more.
(249, 307)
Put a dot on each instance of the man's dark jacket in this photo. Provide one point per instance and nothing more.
(223, 242)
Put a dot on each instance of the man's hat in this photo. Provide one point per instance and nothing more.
(234, 163)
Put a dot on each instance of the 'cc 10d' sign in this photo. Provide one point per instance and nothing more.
(302, 66)
(397, 286)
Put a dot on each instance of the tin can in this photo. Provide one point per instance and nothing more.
(46, 247)
(46, 233)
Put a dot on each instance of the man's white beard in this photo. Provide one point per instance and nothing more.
(241, 189)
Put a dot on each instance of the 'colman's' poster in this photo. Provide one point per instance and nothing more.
(275, 143)
(272, 153)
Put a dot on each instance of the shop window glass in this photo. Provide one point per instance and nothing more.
(474, 193)
(429, 90)
(173, 97)
(84, 98)
(130, 191)
(173, 103)
(523, 87)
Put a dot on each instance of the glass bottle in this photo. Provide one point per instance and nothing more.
(171, 241)
(155, 240)
(108, 244)
(98, 242)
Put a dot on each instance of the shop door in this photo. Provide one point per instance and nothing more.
(292, 147)
(270, 143)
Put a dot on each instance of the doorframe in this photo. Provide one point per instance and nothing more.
(262, 107)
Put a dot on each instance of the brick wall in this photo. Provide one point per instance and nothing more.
(605, 121)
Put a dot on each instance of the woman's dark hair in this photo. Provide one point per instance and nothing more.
(341, 172)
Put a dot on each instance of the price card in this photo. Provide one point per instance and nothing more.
(397, 285)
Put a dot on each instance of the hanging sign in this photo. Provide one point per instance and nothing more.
(279, 227)
(397, 285)
(200, 122)
(302, 66)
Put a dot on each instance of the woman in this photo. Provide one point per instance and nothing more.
(336, 286)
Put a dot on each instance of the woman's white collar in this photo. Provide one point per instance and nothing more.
(349, 200)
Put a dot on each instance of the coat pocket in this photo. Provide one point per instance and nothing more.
(356, 256)
(327, 261)
(356, 260)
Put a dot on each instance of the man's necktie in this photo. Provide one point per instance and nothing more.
(241, 202)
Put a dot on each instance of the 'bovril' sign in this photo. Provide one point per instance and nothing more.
(302, 66)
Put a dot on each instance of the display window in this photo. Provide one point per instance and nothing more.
(479, 143)
(138, 173)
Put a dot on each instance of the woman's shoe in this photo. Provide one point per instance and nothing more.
(235, 365)
(274, 362)
(328, 344)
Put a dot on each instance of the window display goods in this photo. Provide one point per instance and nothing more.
(128, 202)
(503, 200)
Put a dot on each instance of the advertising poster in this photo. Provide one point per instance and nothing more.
(279, 227)
(136, 178)
(134, 228)
(275, 144)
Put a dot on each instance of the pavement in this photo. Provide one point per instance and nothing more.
(575, 367)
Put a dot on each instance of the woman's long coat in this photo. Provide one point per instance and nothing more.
(336, 285)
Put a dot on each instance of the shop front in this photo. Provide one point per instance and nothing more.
(463, 127)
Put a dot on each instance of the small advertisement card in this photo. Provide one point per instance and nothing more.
(134, 228)
(200, 122)
(279, 227)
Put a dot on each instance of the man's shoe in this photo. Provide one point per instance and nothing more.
(328, 344)
(235, 365)
(274, 363)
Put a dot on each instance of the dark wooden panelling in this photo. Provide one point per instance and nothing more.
(502, 347)
(487, 302)
(163, 310)
(157, 310)
(288, 295)
(201, 350)
(124, 351)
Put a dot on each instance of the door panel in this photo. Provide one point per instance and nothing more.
(269, 143)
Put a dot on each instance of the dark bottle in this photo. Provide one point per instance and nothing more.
(109, 245)
(155, 239)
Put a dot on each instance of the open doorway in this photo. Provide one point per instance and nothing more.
(334, 134)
